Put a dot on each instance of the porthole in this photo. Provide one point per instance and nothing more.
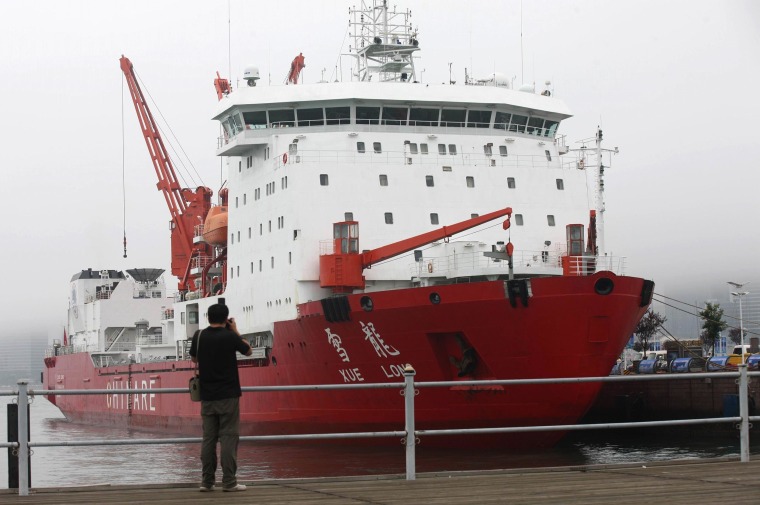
(367, 303)
(604, 286)
(435, 298)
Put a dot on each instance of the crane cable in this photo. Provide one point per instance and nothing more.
(123, 171)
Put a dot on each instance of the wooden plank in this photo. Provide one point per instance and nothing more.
(674, 483)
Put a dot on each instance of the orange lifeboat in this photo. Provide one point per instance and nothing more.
(215, 226)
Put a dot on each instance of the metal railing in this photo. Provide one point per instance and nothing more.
(409, 433)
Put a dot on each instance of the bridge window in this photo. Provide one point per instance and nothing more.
(367, 115)
(479, 119)
(501, 121)
(423, 117)
(453, 117)
(395, 115)
(310, 117)
(535, 126)
(550, 128)
(518, 123)
(338, 115)
(255, 120)
(434, 218)
(282, 117)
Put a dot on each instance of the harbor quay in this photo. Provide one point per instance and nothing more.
(675, 483)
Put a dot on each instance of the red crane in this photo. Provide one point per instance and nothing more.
(187, 207)
(342, 270)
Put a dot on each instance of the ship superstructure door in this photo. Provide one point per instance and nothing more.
(573, 262)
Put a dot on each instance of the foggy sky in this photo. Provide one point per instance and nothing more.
(671, 83)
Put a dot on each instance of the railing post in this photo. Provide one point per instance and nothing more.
(411, 469)
(744, 413)
(23, 438)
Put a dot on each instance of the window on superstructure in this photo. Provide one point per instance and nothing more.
(560, 184)
(245, 198)
(323, 180)
(310, 117)
(282, 118)
(261, 229)
(395, 115)
(266, 153)
(501, 121)
(249, 232)
(270, 226)
(511, 183)
(360, 147)
(228, 131)
(429, 181)
(236, 202)
(474, 215)
(433, 218)
(378, 147)
(487, 149)
(478, 118)
(348, 216)
(249, 162)
(423, 117)
(271, 261)
(238, 236)
(503, 150)
(236, 124)
(232, 272)
(240, 166)
(251, 266)
(237, 271)
(518, 123)
(423, 149)
(261, 265)
(255, 120)
(452, 149)
(548, 155)
(290, 258)
(550, 128)
(338, 115)
(412, 148)
(550, 220)
(536, 126)
(470, 181)
(383, 180)
(519, 219)
(389, 218)
(453, 117)
(367, 115)
(442, 149)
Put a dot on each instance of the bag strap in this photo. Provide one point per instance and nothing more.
(197, 348)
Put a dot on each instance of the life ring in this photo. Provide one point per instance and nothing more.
(430, 267)
(284, 158)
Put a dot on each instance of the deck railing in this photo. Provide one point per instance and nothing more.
(409, 389)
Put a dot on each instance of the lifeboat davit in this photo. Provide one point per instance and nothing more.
(215, 226)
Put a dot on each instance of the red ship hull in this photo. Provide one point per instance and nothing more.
(555, 327)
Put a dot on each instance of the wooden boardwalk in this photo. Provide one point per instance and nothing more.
(674, 483)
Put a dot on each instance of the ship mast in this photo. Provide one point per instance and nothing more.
(383, 43)
(600, 206)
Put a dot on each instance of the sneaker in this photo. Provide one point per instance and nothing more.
(239, 487)
(206, 489)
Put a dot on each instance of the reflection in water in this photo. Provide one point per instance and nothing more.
(134, 464)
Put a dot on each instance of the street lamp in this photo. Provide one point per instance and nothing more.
(739, 295)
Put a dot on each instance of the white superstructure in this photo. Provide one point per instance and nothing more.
(401, 158)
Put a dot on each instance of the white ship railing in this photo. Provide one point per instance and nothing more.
(409, 389)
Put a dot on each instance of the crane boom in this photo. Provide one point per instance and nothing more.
(187, 207)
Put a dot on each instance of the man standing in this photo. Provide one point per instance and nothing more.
(214, 349)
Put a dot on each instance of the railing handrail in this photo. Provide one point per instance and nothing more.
(409, 391)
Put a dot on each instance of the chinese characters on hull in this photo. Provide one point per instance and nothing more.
(373, 338)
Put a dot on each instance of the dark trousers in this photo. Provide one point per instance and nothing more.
(221, 422)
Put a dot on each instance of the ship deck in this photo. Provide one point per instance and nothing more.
(675, 483)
